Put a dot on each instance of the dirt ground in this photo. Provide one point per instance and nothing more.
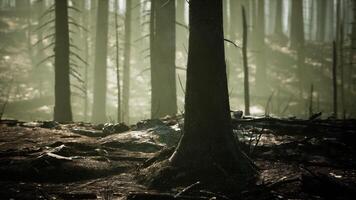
(296, 159)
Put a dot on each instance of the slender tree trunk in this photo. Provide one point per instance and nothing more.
(297, 43)
(353, 50)
(261, 75)
(85, 38)
(62, 105)
(181, 31)
(334, 76)
(321, 14)
(163, 75)
(245, 62)
(297, 26)
(341, 68)
(311, 101)
(208, 142)
(127, 59)
(116, 8)
(99, 104)
(278, 27)
(40, 55)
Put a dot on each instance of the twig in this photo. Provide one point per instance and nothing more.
(186, 189)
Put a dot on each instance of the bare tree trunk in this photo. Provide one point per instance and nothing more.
(261, 74)
(278, 27)
(245, 62)
(311, 101)
(341, 68)
(127, 59)
(99, 104)
(163, 75)
(62, 106)
(208, 140)
(334, 75)
(321, 14)
(353, 50)
(297, 43)
(116, 10)
(85, 37)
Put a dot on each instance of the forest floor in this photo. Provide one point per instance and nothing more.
(297, 159)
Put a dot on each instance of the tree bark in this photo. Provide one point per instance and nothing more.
(208, 140)
(163, 74)
(62, 106)
(99, 101)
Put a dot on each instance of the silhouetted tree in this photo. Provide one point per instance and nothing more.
(208, 142)
(99, 101)
(62, 106)
(245, 62)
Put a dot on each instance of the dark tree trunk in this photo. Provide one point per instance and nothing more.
(208, 140)
(297, 44)
(334, 78)
(245, 62)
(127, 59)
(62, 106)
(163, 75)
(297, 27)
(117, 56)
(278, 27)
(261, 75)
(353, 49)
(321, 16)
(99, 101)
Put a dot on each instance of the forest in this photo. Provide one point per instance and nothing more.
(177, 99)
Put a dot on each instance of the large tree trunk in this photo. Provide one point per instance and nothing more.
(62, 106)
(261, 65)
(208, 140)
(99, 104)
(127, 59)
(163, 75)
